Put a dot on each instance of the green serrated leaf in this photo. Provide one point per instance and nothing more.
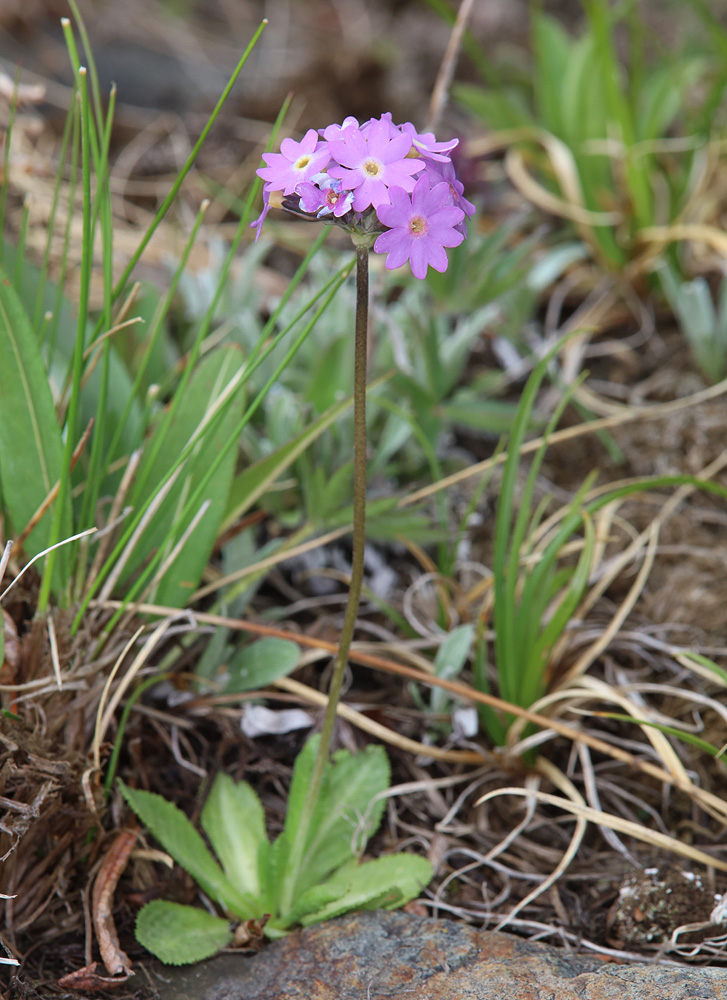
(261, 663)
(180, 839)
(234, 820)
(277, 862)
(311, 901)
(31, 449)
(385, 883)
(345, 815)
(180, 935)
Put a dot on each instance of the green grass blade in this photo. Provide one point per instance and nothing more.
(680, 734)
(71, 433)
(154, 335)
(62, 157)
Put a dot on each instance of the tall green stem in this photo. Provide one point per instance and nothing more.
(297, 848)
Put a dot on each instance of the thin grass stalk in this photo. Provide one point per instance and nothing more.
(259, 354)
(265, 345)
(298, 847)
(97, 465)
(154, 334)
(212, 308)
(192, 357)
(74, 401)
(91, 63)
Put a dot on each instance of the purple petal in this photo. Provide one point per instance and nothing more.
(395, 149)
(311, 198)
(349, 179)
(350, 149)
(446, 217)
(429, 201)
(399, 211)
(396, 245)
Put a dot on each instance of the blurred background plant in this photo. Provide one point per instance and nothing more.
(614, 139)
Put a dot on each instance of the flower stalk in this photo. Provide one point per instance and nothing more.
(395, 191)
(297, 848)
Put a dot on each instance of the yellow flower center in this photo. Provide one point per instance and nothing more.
(372, 168)
(418, 226)
(302, 162)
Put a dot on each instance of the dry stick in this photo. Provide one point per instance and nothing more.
(565, 785)
(297, 848)
(453, 687)
(383, 733)
(627, 826)
(567, 433)
(116, 961)
(446, 70)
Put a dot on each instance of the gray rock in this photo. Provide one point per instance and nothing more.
(369, 956)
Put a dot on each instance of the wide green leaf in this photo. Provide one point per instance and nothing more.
(310, 902)
(385, 883)
(31, 449)
(180, 935)
(350, 785)
(180, 839)
(261, 663)
(234, 821)
(450, 660)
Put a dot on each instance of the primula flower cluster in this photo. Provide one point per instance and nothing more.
(386, 184)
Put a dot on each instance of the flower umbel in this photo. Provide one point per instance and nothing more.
(386, 184)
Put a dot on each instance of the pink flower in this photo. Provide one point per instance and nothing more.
(295, 162)
(372, 162)
(322, 195)
(420, 227)
(336, 131)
